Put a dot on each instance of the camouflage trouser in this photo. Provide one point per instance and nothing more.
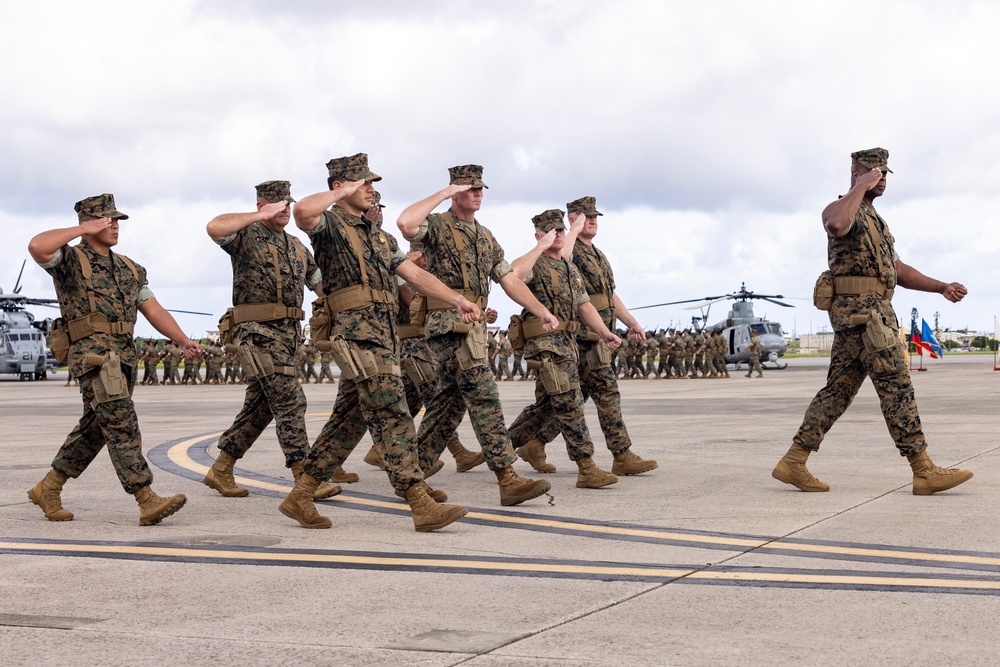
(417, 396)
(503, 368)
(755, 365)
(518, 368)
(650, 364)
(325, 372)
(676, 365)
(167, 371)
(376, 404)
(689, 364)
(663, 366)
(493, 363)
(148, 375)
(213, 372)
(276, 396)
(309, 368)
(891, 378)
(699, 365)
(230, 371)
(474, 390)
(565, 410)
(601, 385)
(175, 373)
(113, 424)
(720, 364)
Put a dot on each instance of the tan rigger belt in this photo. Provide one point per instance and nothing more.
(357, 296)
(600, 301)
(858, 285)
(265, 312)
(410, 331)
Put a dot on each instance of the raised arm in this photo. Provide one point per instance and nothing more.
(414, 214)
(228, 224)
(576, 223)
(522, 265)
(838, 215)
(309, 211)
(43, 247)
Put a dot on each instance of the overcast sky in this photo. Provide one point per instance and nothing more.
(712, 134)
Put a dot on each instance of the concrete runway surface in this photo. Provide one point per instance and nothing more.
(705, 561)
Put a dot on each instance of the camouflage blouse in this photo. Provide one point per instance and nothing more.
(255, 278)
(859, 253)
(598, 279)
(483, 260)
(118, 293)
(562, 297)
(340, 267)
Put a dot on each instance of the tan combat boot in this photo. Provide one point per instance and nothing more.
(437, 495)
(220, 477)
(429, 515)
(374, 458)
(592, 477)
(515, 490)
(323, 491)
(153, 508)
(298, 504)
(928, 478)
(791, 469)
(533, 452)
(46, 494)
(434, 469)
(465, 460)
(341, 476)
(629, 463)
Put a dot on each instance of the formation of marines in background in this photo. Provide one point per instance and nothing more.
(410, 329)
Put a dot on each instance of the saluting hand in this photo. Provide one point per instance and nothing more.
(546, 241)
(870, 178)
(576, 222)
(455, 188)
(271, 210)
(95, 226)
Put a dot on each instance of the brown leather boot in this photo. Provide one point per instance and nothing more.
(433, 470)
(465, 460)
(515, 490)
(928, 478)
(629, 463)
(341, 476)
(429, 515)
(437, 495)
(323, 491)
(298, 504)
(153, 508)
(374, 458)
(533, 452)
(46, 494)
(791, 469)
(592, 477)
(220, 477)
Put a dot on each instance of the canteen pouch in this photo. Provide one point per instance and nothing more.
(110, 383)
(59, 340)
(879, 340)
(419, 371)
(320, 324)
(515, 333)
(226, 324)
(354, 362)
(823, 291)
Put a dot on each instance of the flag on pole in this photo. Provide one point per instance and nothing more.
(916, 339)
(928, 340)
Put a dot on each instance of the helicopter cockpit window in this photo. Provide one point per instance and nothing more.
(759, 328)
(774, 327)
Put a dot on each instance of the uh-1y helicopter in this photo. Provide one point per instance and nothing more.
(736, 327)
(22, 339)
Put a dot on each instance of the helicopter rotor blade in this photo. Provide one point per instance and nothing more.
(17, 285)
(707, 303)
(189, 312)
(769, 300)
(711, 299)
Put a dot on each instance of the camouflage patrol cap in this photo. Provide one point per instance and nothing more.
(99, 206)
(871, 158)
(467, 174)
(549, 220)
(377, 199)
(354, 167)
(585, 205)
(274, 191)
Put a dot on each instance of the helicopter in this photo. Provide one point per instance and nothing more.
(736, 327)
(22, 339)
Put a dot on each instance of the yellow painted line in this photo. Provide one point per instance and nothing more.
(179, 455)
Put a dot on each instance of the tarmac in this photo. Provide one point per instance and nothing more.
(704, 561)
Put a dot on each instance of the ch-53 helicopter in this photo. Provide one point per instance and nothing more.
(736, 327)
(22, 339)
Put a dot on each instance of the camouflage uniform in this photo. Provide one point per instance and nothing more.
(721, 349)
(755, 351)
(376, 403)
(558, 285)
(309, 365)
(324, 367)
(651, 347)
(117, 293)
(663, 345)
(473, 389)
(599, 383)
(276, 396)
(491, 352)
(699, 355)
(192, 370)
(503, 352)
(213, 365)
(176, 355)
(168, 365)
(858, 253)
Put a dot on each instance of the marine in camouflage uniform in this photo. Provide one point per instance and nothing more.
(360, 263)
(504, 350)
(167, 360)
(864, 272)
(491, 351)
(309, 366)
(99, 293)
(213, 365)
(176, 356)
(270, 270)
(700, 370)
(756, 350)
(324, 367)
(597, 378)
(465, 256)
(651, 346)
(558, 398)
(192, 370)
(663, 348)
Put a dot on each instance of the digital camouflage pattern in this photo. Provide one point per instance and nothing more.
(872, 158)
(598, 279)
(118, 293)
(378, 405)
(584, 205)
(504, 350)
(353, 168)
(101, 206)
(858, 254)
(562, 300)
(375, 323)
(467, 174)
(756, 349)
(274, 191)
(548, 220)
(483, 259)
